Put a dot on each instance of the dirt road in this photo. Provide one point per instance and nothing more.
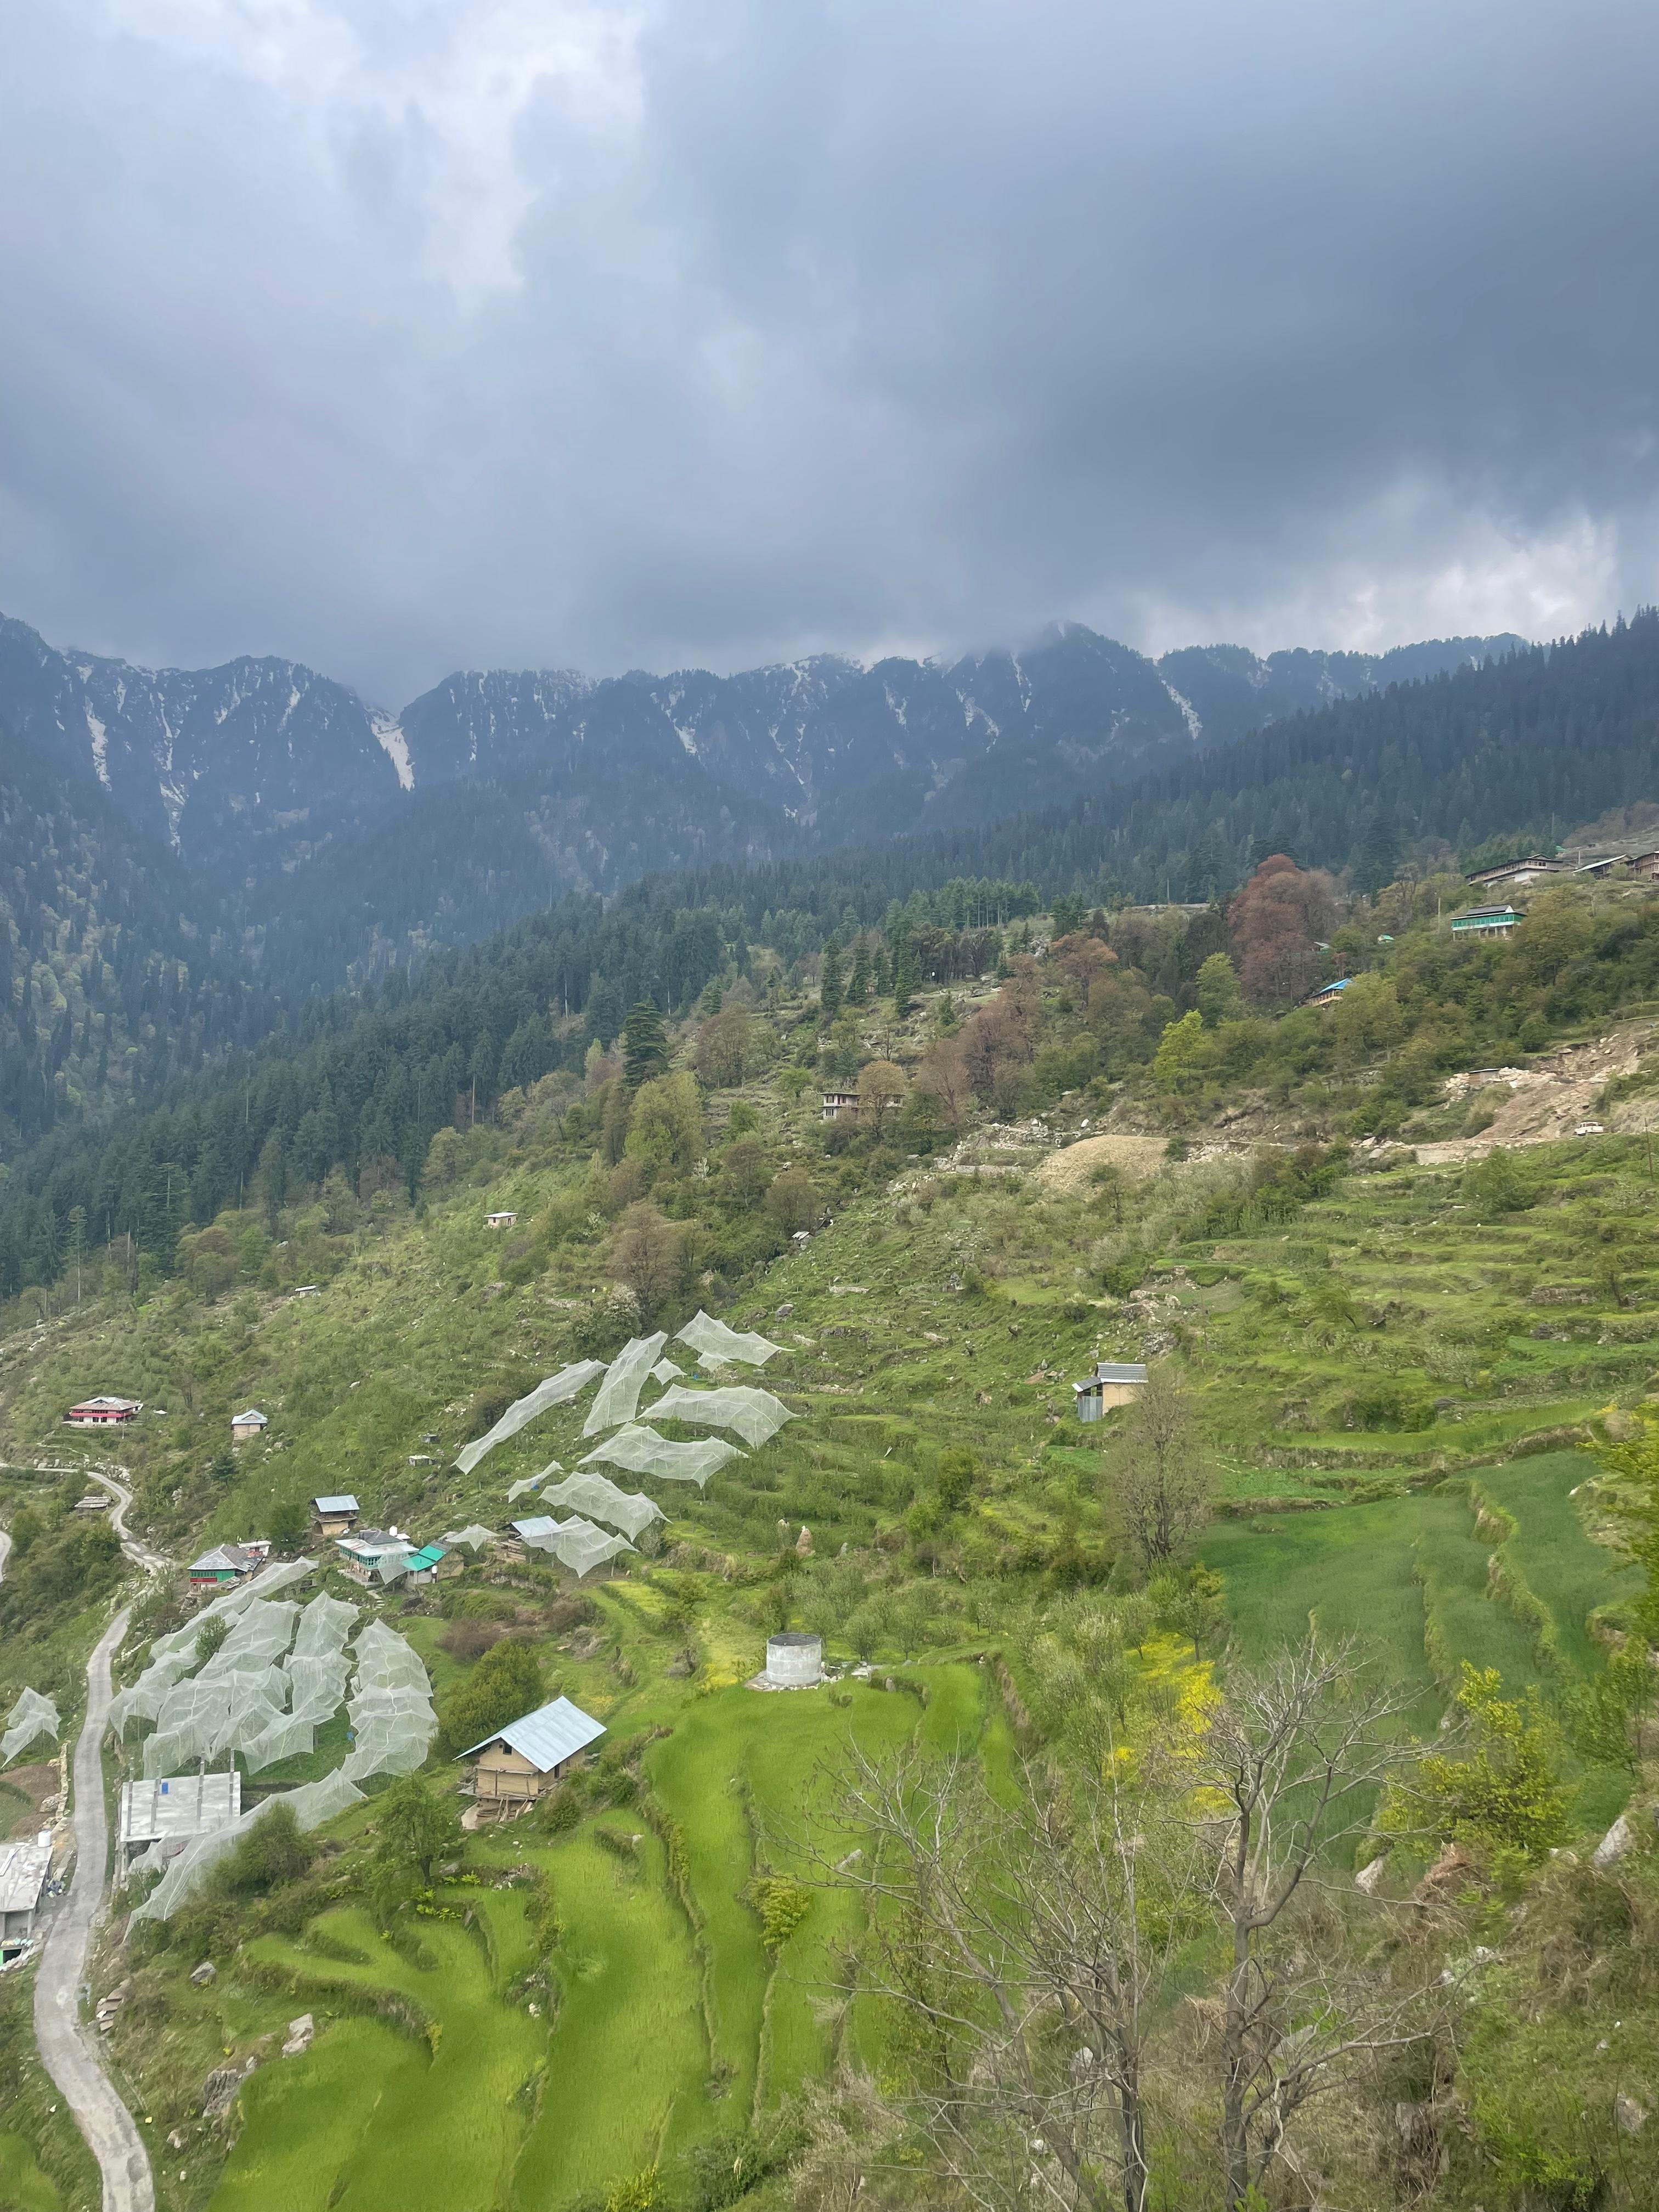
(67, 2049)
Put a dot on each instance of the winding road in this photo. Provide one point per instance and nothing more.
(69, 2054)
(139, 1553)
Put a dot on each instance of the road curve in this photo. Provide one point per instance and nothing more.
(70, 2057)
(139, 1553)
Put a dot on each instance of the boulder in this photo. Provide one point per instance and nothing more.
(300, 2034)
(1370, 1876)
(202, 1975)
(1620, 1838)
(1629, 2115)
(219, 2090)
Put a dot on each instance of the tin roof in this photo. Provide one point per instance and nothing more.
(539, 1524)
(241, 1420)
(1118, 1370)
(225, 1558)
(23, 1870)
(345, 1503)
(181, 1805)
(546, 1737)
(430, 1555)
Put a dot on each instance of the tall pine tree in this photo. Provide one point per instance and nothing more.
(645, 1045)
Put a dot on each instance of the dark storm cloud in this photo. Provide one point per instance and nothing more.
(398, 335)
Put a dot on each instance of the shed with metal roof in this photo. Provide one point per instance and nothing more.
(521, 1760)
(23, 1870)
(1114, 1382)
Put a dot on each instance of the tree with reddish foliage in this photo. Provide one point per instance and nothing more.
(1085, 962)
(1274, 923)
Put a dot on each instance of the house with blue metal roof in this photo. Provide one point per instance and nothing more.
(525, 1758)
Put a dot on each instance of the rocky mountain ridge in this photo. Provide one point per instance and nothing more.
(252, 767)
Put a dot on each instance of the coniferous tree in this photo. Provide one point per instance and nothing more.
(829, 990)
(645, 1045)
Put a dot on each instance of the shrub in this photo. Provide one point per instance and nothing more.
(506, 1682)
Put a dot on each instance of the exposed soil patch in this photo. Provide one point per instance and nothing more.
(1069, 1170)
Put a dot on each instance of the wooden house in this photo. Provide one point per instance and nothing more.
(247, 1428)
(374, 1555)
(335, 1516)
(528, 1756)
(1519, 873)
(1484, 921)
(1114, 1382)
(103, 1412)
(837, 1102)
(421, 1567)
(1327, 994)
(223, 1567)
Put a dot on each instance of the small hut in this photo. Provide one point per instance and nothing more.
(523, 1759)
(1114, 1382)
(247, 1428)
(337, 1516)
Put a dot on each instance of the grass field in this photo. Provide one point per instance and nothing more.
(23, 2187)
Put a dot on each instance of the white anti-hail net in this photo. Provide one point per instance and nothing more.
(390, 1706)
(516, 1490)
(311, 1805)
(756, 1415)
(713, 1339)
(557, 1390)
(34, 1715)
(474, 1536)
(576, 1544)
(393, 1723)
(618, 1397)
(665, 1371)
(642, 1451)
(598, 1498)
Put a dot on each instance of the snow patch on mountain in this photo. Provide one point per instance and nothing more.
(389, 735)
(100, 736)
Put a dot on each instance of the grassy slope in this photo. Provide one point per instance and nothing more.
(888, 1365)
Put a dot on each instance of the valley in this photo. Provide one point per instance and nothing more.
(1420, 1378)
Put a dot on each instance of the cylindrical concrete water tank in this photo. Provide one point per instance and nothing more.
(794, 1659)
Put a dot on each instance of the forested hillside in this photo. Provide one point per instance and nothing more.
(1425, 774)
(111, 989)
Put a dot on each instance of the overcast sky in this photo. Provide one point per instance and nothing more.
(402, 335)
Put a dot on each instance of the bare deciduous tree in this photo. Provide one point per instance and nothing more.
(1159, 1471)
(1026, 1946)
(1292, 1759)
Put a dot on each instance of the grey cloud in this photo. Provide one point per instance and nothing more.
(755, 330)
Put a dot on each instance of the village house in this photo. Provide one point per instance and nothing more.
(226, 1566)
(421, 1567)
(335, 1516)
(103, 1412)
(95, 1501)
(23, 1870)
(1519, 873)
(1327, 994)
(1484, 921)
(1114, 1382)
(837, 1102)
(520, 1761)
(246, 1428)
(173, 1811)
(374, 1555)
(500, 1220)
